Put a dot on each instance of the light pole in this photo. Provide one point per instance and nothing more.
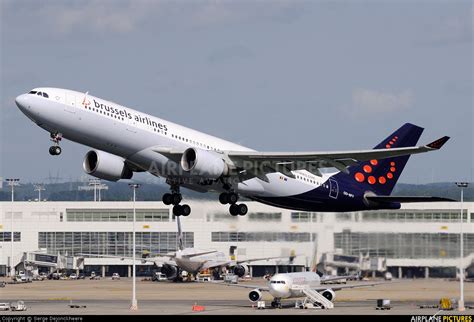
(134, 305)
(12, 182)
(39, 188)
(101, 187)
(461, 307)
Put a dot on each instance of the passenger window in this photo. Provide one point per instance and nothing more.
(45, 95)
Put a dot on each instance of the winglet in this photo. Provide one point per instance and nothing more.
(438, 143)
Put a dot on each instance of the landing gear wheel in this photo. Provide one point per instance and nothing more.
(242, 209)
(223, 198)
(232, 198)
(167, 199)
(177, 210)
(55, 150)
(234, 210)
(176, 198)
(276, 304)
(185, 210)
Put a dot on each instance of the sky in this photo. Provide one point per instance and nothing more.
(271, 75)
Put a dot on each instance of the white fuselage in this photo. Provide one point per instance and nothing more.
(136, 136)
(291, 284)
(194, 264)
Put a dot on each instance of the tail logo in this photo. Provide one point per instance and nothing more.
(369, 168)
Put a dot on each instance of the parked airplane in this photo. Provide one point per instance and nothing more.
(125, 141)
(301, 284)
(193, 260)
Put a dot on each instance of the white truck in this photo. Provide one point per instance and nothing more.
(18, 306)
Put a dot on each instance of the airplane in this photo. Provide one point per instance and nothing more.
(125, 141)
(193, 260)
(300, 284)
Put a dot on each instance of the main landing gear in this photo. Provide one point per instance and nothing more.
(174, 198)
(276, 303)
(55, 149)
(232, 198)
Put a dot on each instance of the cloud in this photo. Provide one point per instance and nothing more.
(452, 30)
(369, 101)
(124, 16)
(101, 16)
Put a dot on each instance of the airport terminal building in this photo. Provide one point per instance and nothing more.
(419, 240)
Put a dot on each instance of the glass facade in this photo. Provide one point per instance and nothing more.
(264, 216)
(303, 216)
(415, 215)
(117, 214)
(403, 245)
(7, 236)
(111, 243)
(225, 236)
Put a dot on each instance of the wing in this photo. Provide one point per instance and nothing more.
(199, 254)
(213, 264)
(337, 278)
(260, 163)
(259, 259)
(341, 287)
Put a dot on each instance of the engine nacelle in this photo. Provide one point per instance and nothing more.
(106, 166)
(170, 271)
(241, 270)
(255, 295)
(329, 294)
(203, 163)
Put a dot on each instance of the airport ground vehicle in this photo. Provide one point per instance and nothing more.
(157, 276)
(115, 276)
(94, 276)
(73, 276)
(4, 306)
(18, 306)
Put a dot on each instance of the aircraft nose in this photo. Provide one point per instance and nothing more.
(22, 101)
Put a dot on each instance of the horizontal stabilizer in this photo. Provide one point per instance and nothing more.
(438, 143)
(406, 199)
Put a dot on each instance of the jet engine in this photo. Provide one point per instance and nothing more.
(241, 270)
(106, 166)
(205, 164)
(170, 271)
(329, 294)
(255, 295)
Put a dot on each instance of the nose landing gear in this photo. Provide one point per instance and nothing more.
(56, 138)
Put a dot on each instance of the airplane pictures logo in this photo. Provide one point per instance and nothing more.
(443, 318)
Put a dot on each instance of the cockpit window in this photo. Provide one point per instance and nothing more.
(39, 94)
(45, 95)
(277, 282)
(32, 92)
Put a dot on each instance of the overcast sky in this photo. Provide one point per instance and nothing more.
(271, 75)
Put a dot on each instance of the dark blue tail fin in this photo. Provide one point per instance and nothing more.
(383, 174)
